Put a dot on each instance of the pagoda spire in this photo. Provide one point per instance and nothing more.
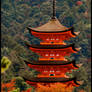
(54, 10)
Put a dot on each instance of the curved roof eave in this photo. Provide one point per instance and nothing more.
(50, 47)
(69, 29)
(52, 63)
(51, 79)
(51, 25)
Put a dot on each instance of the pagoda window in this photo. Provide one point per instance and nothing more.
(51, 74)
(47, 39)
(52, 42)
(51, 58)
(45, 71)
(46, 54)
(57, 39)
(57, 54)
(51, 54)
(51, 71)
(57, 71)
(52, 39)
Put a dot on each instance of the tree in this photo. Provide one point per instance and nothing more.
(7, 87)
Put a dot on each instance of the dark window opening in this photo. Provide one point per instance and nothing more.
(52, 74)
(52, 58)
(52, 42)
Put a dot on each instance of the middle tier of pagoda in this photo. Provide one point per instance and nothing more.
(55, 69)
(53, 52)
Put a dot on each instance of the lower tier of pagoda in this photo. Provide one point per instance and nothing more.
(48, 80)
(52, 71)
(58, 70)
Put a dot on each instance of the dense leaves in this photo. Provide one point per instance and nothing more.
(7, 87)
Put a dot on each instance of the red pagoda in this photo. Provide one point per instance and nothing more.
(52, 49)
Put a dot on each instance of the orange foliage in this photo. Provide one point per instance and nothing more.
(56, 87)
(9, 86)
(28, 90)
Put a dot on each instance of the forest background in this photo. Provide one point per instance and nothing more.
(16, 15)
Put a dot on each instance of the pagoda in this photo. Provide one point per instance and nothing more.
(52, 64)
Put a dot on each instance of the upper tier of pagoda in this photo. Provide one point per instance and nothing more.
(53, 32)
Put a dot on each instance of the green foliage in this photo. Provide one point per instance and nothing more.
(21, 84)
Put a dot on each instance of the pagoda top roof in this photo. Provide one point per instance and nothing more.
(53, 25)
